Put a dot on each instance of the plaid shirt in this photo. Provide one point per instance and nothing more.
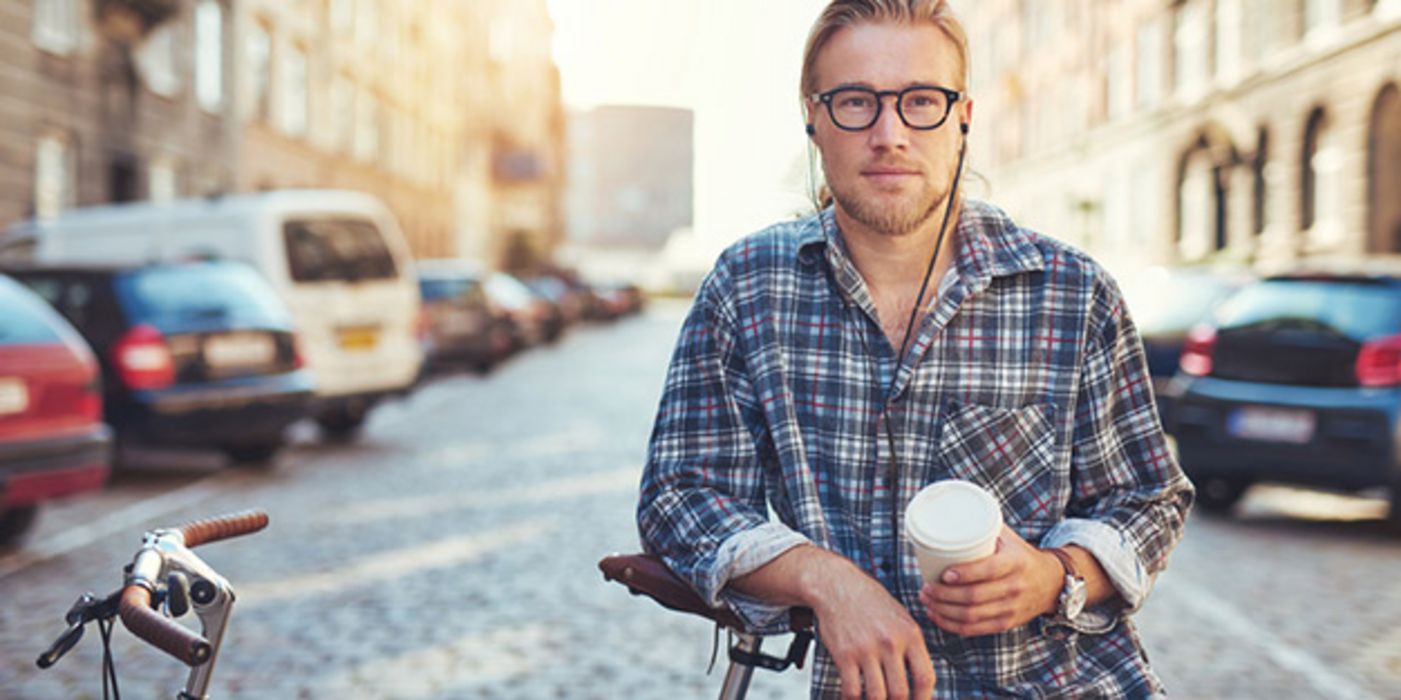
(1027, 377)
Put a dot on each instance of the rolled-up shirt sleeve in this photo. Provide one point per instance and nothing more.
(702, 506)
(1129, 497)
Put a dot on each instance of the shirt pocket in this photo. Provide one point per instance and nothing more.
(1011, 453)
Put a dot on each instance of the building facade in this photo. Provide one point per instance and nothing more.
(631, 175)
(1165, 132)
(418, 103)
(111, 101)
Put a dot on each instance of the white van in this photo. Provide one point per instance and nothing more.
(337, 258)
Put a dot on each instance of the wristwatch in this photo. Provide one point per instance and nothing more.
(1073, 593)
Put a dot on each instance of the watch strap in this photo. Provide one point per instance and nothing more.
(1067, 562)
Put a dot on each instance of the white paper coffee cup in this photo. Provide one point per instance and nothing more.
(951, 522)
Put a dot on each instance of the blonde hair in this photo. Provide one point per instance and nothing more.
(845, 13)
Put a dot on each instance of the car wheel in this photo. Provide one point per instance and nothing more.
(1218, 494)
(342, 422)
(253, 454)
(15, 522)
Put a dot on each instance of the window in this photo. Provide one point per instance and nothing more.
(294, 92)
(1118, 99)
(336, 249)
(1149, 75)
(156, 59)
(1321, 189)
(1190, 47)
(367, 127)
(342, 113)
(56, 25)
(209, 55)
(161, 179)
(1260, 191)
(366, 22)
(342, 16)
(1321, 17)
(259, 55)
(1228, 40)
(54, 181)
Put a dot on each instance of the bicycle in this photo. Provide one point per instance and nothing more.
(646, 574)
(164, 572)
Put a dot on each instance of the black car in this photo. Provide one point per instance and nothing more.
(197, 353)
(1296, 380)
(1167, 303)
(461, 325)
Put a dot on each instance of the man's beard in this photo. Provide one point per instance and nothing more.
(895, 219)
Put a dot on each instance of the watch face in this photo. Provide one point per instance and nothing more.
(1072, 598)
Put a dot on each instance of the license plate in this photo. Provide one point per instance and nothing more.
(461, 324)
(239, 350)
(14, 396)
(1265, 424)
(358, 338)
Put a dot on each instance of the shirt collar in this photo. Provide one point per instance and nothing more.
(990, 244)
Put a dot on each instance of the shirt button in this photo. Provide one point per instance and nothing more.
(883, 565)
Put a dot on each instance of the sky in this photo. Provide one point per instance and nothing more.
(734, 62)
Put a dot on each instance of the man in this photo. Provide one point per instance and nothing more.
(833, 366)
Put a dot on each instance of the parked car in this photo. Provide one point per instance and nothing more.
(336, 258)
(619, 299)
(193, 354)
(1167, 303)
(461, 325)
(1296, 380)
(532, 319)
(52, 439)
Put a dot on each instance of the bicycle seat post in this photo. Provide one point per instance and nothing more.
(736, 685)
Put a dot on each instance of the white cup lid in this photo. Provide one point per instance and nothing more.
(953, 514)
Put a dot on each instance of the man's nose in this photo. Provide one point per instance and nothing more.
(889, 131)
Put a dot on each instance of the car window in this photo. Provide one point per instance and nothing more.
(25, 319)
(176, 295)
(458, 288)
(320, 250)
(1358, 310)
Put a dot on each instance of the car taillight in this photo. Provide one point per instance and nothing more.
(1379, 362)
(1197, 350)
(90, 402)
(143, 361)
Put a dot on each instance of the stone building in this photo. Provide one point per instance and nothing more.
(1158, 131)
(111, 101)
(448, 110)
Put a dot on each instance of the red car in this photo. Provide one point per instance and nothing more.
(53, 442)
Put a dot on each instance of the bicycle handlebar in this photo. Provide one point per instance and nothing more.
(222, 527)
(135, 606)
(158, 630)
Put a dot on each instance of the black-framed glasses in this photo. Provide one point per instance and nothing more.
(922, 107)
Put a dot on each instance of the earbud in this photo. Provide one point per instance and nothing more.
(963, 126)
(811, 130)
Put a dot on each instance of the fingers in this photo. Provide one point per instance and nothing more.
(851, 680)
(874, 676)
(921, 673)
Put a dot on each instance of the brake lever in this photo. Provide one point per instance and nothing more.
(85, 609)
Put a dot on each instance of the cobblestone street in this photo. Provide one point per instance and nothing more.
(451, 553)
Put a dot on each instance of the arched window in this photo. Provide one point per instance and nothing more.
(1201, 205)
(1384, 173)
(1260, 189)
(1319, 193)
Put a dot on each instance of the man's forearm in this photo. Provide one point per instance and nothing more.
(795, 576)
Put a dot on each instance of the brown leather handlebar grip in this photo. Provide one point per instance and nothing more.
(647, 574)
(158, 630)
(223, 527)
